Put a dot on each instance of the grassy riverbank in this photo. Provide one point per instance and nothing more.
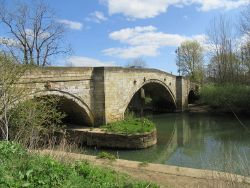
(227, 98)
(130, 126)
(20, 168)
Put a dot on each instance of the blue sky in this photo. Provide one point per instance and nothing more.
(114, 32)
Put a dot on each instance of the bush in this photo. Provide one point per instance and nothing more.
(33, 121)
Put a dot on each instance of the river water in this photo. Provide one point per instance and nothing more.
(200, 141)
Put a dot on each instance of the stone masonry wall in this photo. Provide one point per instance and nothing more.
(112, 140)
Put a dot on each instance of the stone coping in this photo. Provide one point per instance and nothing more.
(100, 130)
(115, 68)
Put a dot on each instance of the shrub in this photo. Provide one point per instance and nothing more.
(33, 121)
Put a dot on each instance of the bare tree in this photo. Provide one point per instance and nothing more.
(223, 58)
(34, 33)
(245, 47)
(137, 63)
(189, 59)
(245, 21)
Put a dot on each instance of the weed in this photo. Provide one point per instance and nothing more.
(143, 164)
(106, 155)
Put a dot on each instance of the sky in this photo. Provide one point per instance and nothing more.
(115, 32)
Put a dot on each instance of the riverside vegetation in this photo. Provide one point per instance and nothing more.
(19, 168)
(227, 97)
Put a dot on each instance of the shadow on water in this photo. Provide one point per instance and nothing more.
(197, 141)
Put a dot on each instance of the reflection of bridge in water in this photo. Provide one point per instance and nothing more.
(178, 137)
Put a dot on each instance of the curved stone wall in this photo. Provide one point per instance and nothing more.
(99, 138)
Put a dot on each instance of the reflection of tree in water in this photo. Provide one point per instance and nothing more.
(214, 143)
(196, 140)
(175, 134)
(232, 148)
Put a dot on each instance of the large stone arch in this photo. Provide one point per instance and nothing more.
(146, 82)
(82, 108)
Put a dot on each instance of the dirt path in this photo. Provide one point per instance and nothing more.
(163, 175)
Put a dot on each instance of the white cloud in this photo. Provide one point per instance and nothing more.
(138, 8)
(242, 40)
(80, 61)
(41, 34)
(185, 17)
(9, 42)
(71, 24)
(206, 5)
(151, 8)
(146, 41)
(124, 35)
(97, 17)
(132, 51)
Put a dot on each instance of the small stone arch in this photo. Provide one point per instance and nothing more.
(85, 116)
(193, 93)
(145, 83)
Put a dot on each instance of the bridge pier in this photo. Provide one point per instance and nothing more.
(182, 89)
(99, 96)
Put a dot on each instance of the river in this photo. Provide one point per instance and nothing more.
(200, 141)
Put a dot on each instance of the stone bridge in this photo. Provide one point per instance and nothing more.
(99, 95)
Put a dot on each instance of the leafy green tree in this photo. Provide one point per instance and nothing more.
(189, 59)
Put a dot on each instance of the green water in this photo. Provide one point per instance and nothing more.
(198, 141)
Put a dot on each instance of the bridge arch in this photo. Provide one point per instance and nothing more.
(193, 93)
(156, 89)
(77, 112)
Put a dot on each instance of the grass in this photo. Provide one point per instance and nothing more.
(20, 168)
(130, 126)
